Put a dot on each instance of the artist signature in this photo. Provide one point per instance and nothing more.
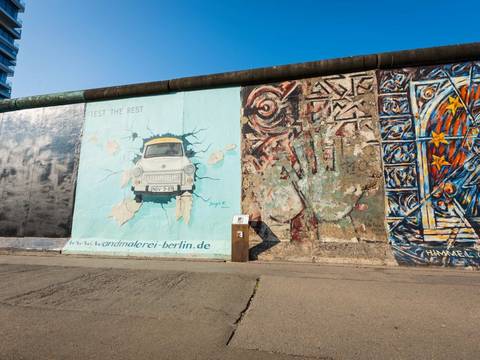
(218, 204)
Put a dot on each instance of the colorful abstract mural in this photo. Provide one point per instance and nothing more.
(159, 176)
(311, 161)
(430, 120)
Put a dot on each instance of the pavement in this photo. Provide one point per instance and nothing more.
(72, 307)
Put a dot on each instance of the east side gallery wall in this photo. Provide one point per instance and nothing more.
(378, 164)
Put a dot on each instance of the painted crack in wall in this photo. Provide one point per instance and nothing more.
(164, 168)
(159, 175)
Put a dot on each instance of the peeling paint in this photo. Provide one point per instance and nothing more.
(183, 207)
(125, 210)
(93, 139)
(215, 157)
(126, 177)
(112, 147)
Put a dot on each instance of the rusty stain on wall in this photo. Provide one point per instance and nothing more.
(311, 160)
(38, 169)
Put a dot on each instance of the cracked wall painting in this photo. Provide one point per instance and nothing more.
(311, 161)
(430, 121)
(38, 167)
(159, 175)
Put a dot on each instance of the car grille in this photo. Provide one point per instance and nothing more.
(174, 178)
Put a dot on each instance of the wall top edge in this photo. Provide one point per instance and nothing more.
(388, 60)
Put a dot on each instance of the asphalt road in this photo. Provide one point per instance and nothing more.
(65, 307)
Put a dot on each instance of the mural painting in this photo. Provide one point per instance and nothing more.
(159, 176)
(430, 121)
(38, 169)
(311, 161)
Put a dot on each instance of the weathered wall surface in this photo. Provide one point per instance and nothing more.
(372, 165)
(111, 217)
(38, 163)
(312, 172)
(430, 121)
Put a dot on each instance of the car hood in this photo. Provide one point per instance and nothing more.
(164, 163)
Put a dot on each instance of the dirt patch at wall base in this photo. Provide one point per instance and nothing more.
(32, 243)
(351, 253)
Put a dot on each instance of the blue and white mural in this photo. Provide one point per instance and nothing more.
(159, 176)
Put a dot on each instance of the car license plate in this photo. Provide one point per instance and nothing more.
(161, 188)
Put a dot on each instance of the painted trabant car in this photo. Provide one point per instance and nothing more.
(163, 169)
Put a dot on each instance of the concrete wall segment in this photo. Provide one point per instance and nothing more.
(388, 60)
(311, 162)
(38, 169)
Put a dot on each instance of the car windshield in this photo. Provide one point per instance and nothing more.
(164, 149)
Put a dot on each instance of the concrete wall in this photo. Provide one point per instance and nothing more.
(430, 121)
(38, 170)
(108, 219)
(364, 166)
(312, 171)
(313, 153)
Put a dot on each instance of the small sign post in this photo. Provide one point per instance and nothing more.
(240, 242)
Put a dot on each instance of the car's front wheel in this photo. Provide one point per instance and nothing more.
(138, 198)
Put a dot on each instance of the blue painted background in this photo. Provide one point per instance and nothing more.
(127, 122)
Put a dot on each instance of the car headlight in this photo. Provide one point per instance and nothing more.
(189, 169)
(137, 171)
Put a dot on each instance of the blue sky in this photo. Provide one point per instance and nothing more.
(79, 44)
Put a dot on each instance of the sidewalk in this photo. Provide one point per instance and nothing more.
(66, 307)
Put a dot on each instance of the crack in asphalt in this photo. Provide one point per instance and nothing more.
(244, 311)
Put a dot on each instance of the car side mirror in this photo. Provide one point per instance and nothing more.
(190, 153)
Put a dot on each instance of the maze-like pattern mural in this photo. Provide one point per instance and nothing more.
(429, 120)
